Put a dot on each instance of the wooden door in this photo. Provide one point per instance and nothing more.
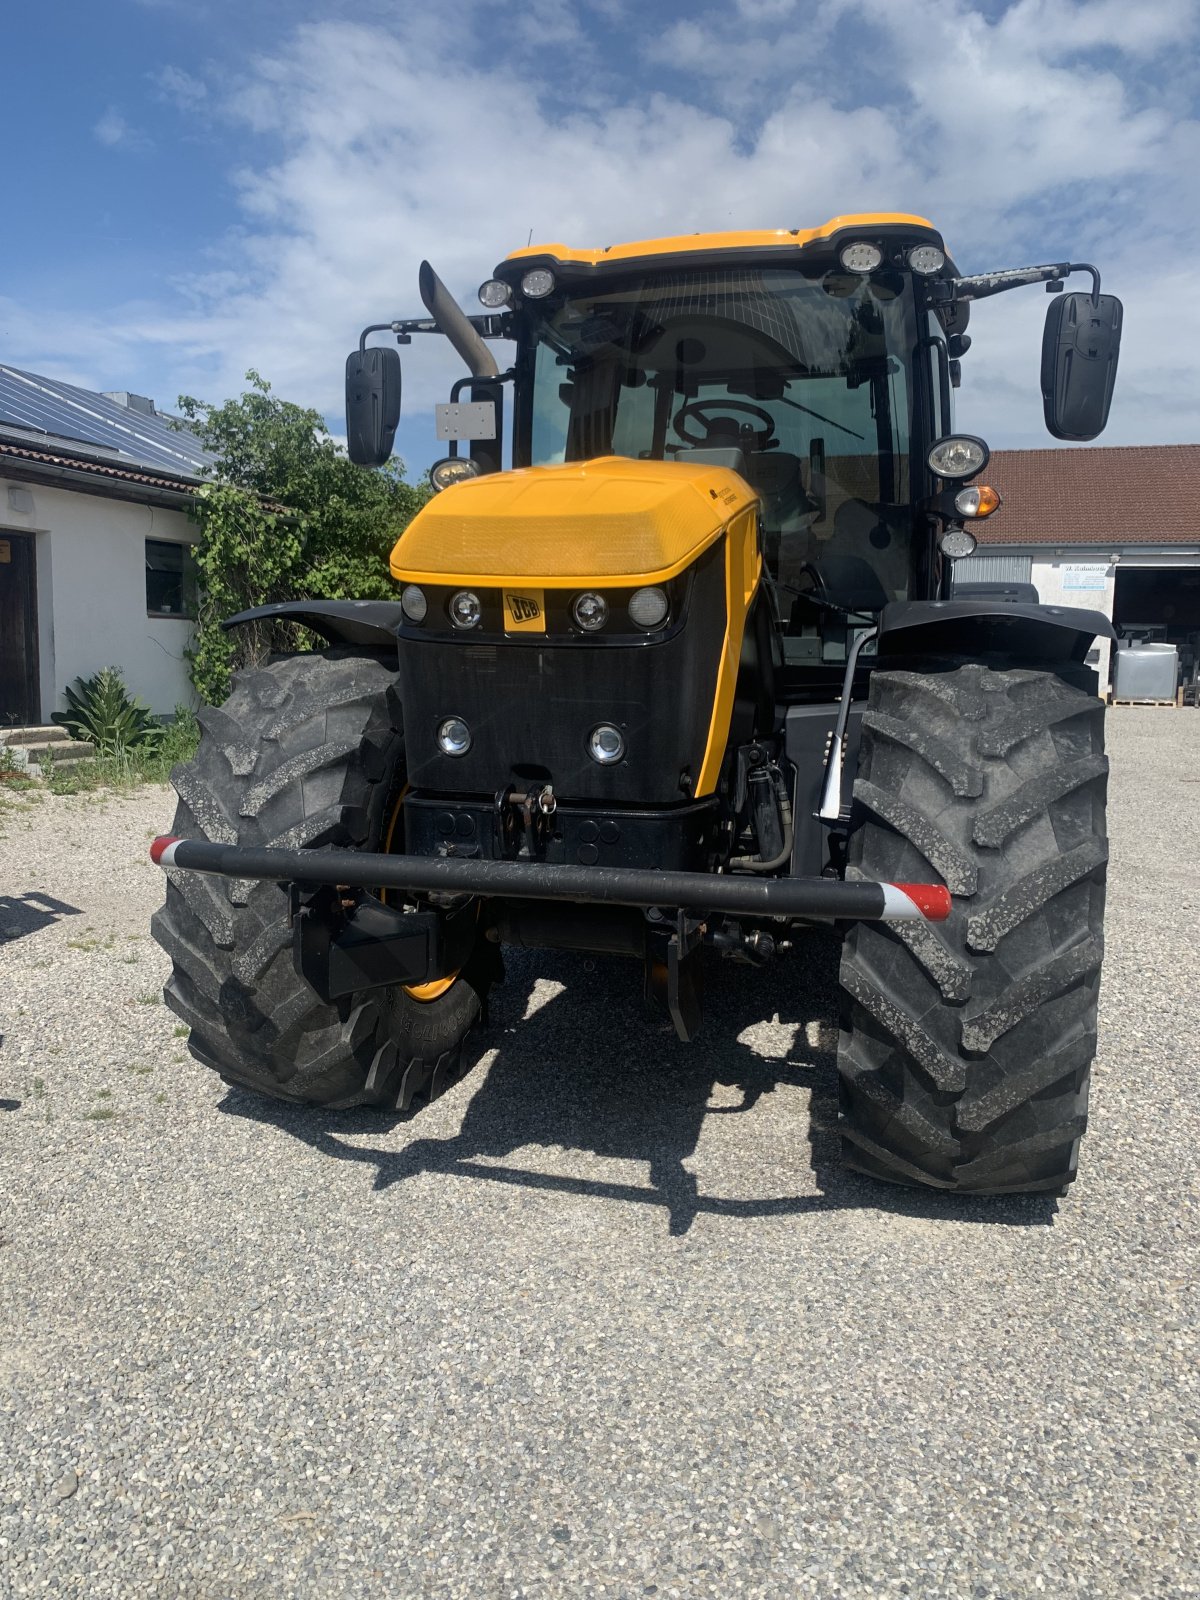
(18, 630)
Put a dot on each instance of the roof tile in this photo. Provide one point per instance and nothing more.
(1112, 494)
(158, 480)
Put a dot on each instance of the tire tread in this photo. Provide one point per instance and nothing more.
(966, 1046)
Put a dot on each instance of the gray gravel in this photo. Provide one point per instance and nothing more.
(605, 1320)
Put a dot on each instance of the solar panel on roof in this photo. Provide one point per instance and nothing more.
(64, 412)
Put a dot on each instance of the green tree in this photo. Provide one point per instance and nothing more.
(288, 517)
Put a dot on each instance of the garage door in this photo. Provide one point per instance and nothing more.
(993, 566)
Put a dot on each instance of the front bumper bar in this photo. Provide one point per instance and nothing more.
(821, 899)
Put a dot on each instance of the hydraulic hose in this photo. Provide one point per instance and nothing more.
(752, 863)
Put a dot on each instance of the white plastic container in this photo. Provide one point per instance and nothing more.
(1146, 672)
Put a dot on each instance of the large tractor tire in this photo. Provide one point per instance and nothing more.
(966, 1046)
(306, 752)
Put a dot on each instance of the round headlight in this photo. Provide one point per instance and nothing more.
(957, 543)
(413, 603)
(454, 737)
(537, 284)
(606, 744)
(465, 609)
(590, 611)
(959, 456)
(493, 294)
(648, 608)
(926, 259)
(452, 469)
(861, 256)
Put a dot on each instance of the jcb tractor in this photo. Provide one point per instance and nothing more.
(692, 674)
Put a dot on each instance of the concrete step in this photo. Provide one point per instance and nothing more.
(62, 752)
(31, 735)
(35, 748)
(61, 757)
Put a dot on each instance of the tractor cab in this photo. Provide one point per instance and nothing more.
(803, 378)
(818, 365)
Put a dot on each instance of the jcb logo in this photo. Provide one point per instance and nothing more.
(525, 612)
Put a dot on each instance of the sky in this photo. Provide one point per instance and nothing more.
(198, 187)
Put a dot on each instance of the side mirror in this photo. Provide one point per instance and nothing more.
(1079, 363)
(372, 404)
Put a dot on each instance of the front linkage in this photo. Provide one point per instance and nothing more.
(344, 943)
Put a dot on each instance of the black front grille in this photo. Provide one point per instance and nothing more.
(531, 705)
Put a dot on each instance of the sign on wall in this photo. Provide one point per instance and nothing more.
(1091, 575)
(5, 551)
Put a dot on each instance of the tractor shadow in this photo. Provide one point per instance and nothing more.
(592, 1068)
(23, 914)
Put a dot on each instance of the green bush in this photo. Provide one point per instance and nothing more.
(288, 517)
(178, 739)
(101, 709)
(150, 762)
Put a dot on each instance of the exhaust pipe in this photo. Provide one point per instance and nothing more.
(454, 323)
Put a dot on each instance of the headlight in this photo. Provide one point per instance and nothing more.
(452, 469)
(861, 256)
(465, 609)
(454, 737)
(590, 611)
(413, 603)
(960, 455)
(957, 543)
(536, 285)
(648, 608)
(493, 294)
(926, 259)
(980, 500)
(606, 744)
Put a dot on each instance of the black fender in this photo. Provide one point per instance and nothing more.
(372, 623)
(1021, 631)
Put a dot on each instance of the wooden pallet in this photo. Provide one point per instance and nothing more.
(1176, 703)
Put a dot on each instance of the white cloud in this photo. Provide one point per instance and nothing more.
(179, 88)
(115, 133)
(765, 10)
(1050, 130)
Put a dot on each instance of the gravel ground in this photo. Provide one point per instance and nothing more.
(606, 1319)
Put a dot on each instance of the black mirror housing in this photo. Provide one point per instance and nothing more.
(372, 404)
(1079, 363)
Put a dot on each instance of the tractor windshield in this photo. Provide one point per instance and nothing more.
(807, 373)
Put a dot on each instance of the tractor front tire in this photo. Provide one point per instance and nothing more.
(966, 1046)
(306, 752)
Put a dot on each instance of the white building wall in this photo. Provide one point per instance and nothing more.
(1082, 580)
(91, 580)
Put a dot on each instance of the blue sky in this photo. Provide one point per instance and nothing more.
(202, 187)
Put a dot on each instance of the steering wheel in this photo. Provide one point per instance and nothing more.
(700, 409)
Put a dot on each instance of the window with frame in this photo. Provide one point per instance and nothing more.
(170, 579)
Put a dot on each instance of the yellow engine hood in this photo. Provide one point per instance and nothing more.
(613, 518)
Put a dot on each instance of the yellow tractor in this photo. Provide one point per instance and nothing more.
(676, 671)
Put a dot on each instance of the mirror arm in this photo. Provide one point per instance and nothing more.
(989, 283)
(1084, 266)
(487, 327)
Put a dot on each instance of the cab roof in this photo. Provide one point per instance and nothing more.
(874, 224)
